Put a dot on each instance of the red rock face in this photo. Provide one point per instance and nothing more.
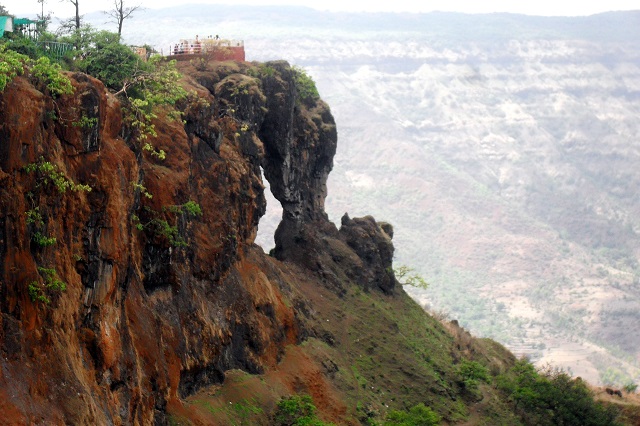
(146, 320)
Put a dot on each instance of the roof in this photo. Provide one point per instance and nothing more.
(24, 21)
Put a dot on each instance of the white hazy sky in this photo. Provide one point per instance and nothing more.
(63, 9)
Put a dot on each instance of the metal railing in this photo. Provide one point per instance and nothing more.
(54, 49)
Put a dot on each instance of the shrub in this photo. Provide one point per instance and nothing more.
(42, 240)
(48, 173)
(12, 64)
(39, 292)
(297, 410)
(419, 415)
(552, 397)
(471, 373)
(305, 85)
(50, 75)
(157, 223)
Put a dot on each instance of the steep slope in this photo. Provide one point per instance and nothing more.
(132, 291)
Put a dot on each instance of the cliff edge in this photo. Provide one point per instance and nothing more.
(129, 281)
(132, 292)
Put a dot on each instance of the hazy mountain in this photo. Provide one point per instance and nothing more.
(503, 148)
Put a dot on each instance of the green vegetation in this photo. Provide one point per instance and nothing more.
(297, 410)
(51, 76)
(12, 64)
(305, 85)
(418, 415)
(86, 122)
(157, 223)
(552, 397)
(34, 217)
(42, 70)
(407, 276)
(472, 373)
(48, 180)
(42, 240)
(143, 190)
(145, 87)
(630, 387)
(47, 174)
(42, 291)
(149, 88)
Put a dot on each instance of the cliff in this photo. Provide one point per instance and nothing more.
(131, 290)
(149, 317)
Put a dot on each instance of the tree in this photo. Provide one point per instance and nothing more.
(102, 56)
(76, 19)
(43, 20)
(407, 276)
(119, 13)
(3, 10)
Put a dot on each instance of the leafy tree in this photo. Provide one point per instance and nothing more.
(408, 276)
(103, 57)
(149, 88)
(3, 10)
(120, 12)
(472, 373)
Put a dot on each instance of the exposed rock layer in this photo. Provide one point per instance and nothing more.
(146, 320)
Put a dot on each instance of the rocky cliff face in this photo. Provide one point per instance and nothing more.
(119, 302)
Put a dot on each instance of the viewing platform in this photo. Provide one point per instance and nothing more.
(212, 47)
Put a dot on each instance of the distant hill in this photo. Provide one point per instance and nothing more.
(504, 149)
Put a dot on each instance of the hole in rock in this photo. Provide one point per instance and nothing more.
(271, 219)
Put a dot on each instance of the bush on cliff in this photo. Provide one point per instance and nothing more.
(305, 85)
(104, 57)
(552, 397)
(420, 415)
(45, 74)
(12, 64)
(297, 410)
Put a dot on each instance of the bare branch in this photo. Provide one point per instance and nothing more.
(120, 12)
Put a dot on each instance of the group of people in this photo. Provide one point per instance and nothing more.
(189, 47)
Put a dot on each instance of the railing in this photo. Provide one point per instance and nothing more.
(54, 49)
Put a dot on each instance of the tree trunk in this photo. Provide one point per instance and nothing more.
(77, 14)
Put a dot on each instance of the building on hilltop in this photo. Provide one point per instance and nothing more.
(6, 24)
(212, 47)
(27, 27)
(32, 29)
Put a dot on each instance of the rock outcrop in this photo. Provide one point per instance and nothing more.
(161, 300)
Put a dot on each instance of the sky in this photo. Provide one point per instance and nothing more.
(64, 9)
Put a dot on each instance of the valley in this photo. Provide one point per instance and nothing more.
(502, 148)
